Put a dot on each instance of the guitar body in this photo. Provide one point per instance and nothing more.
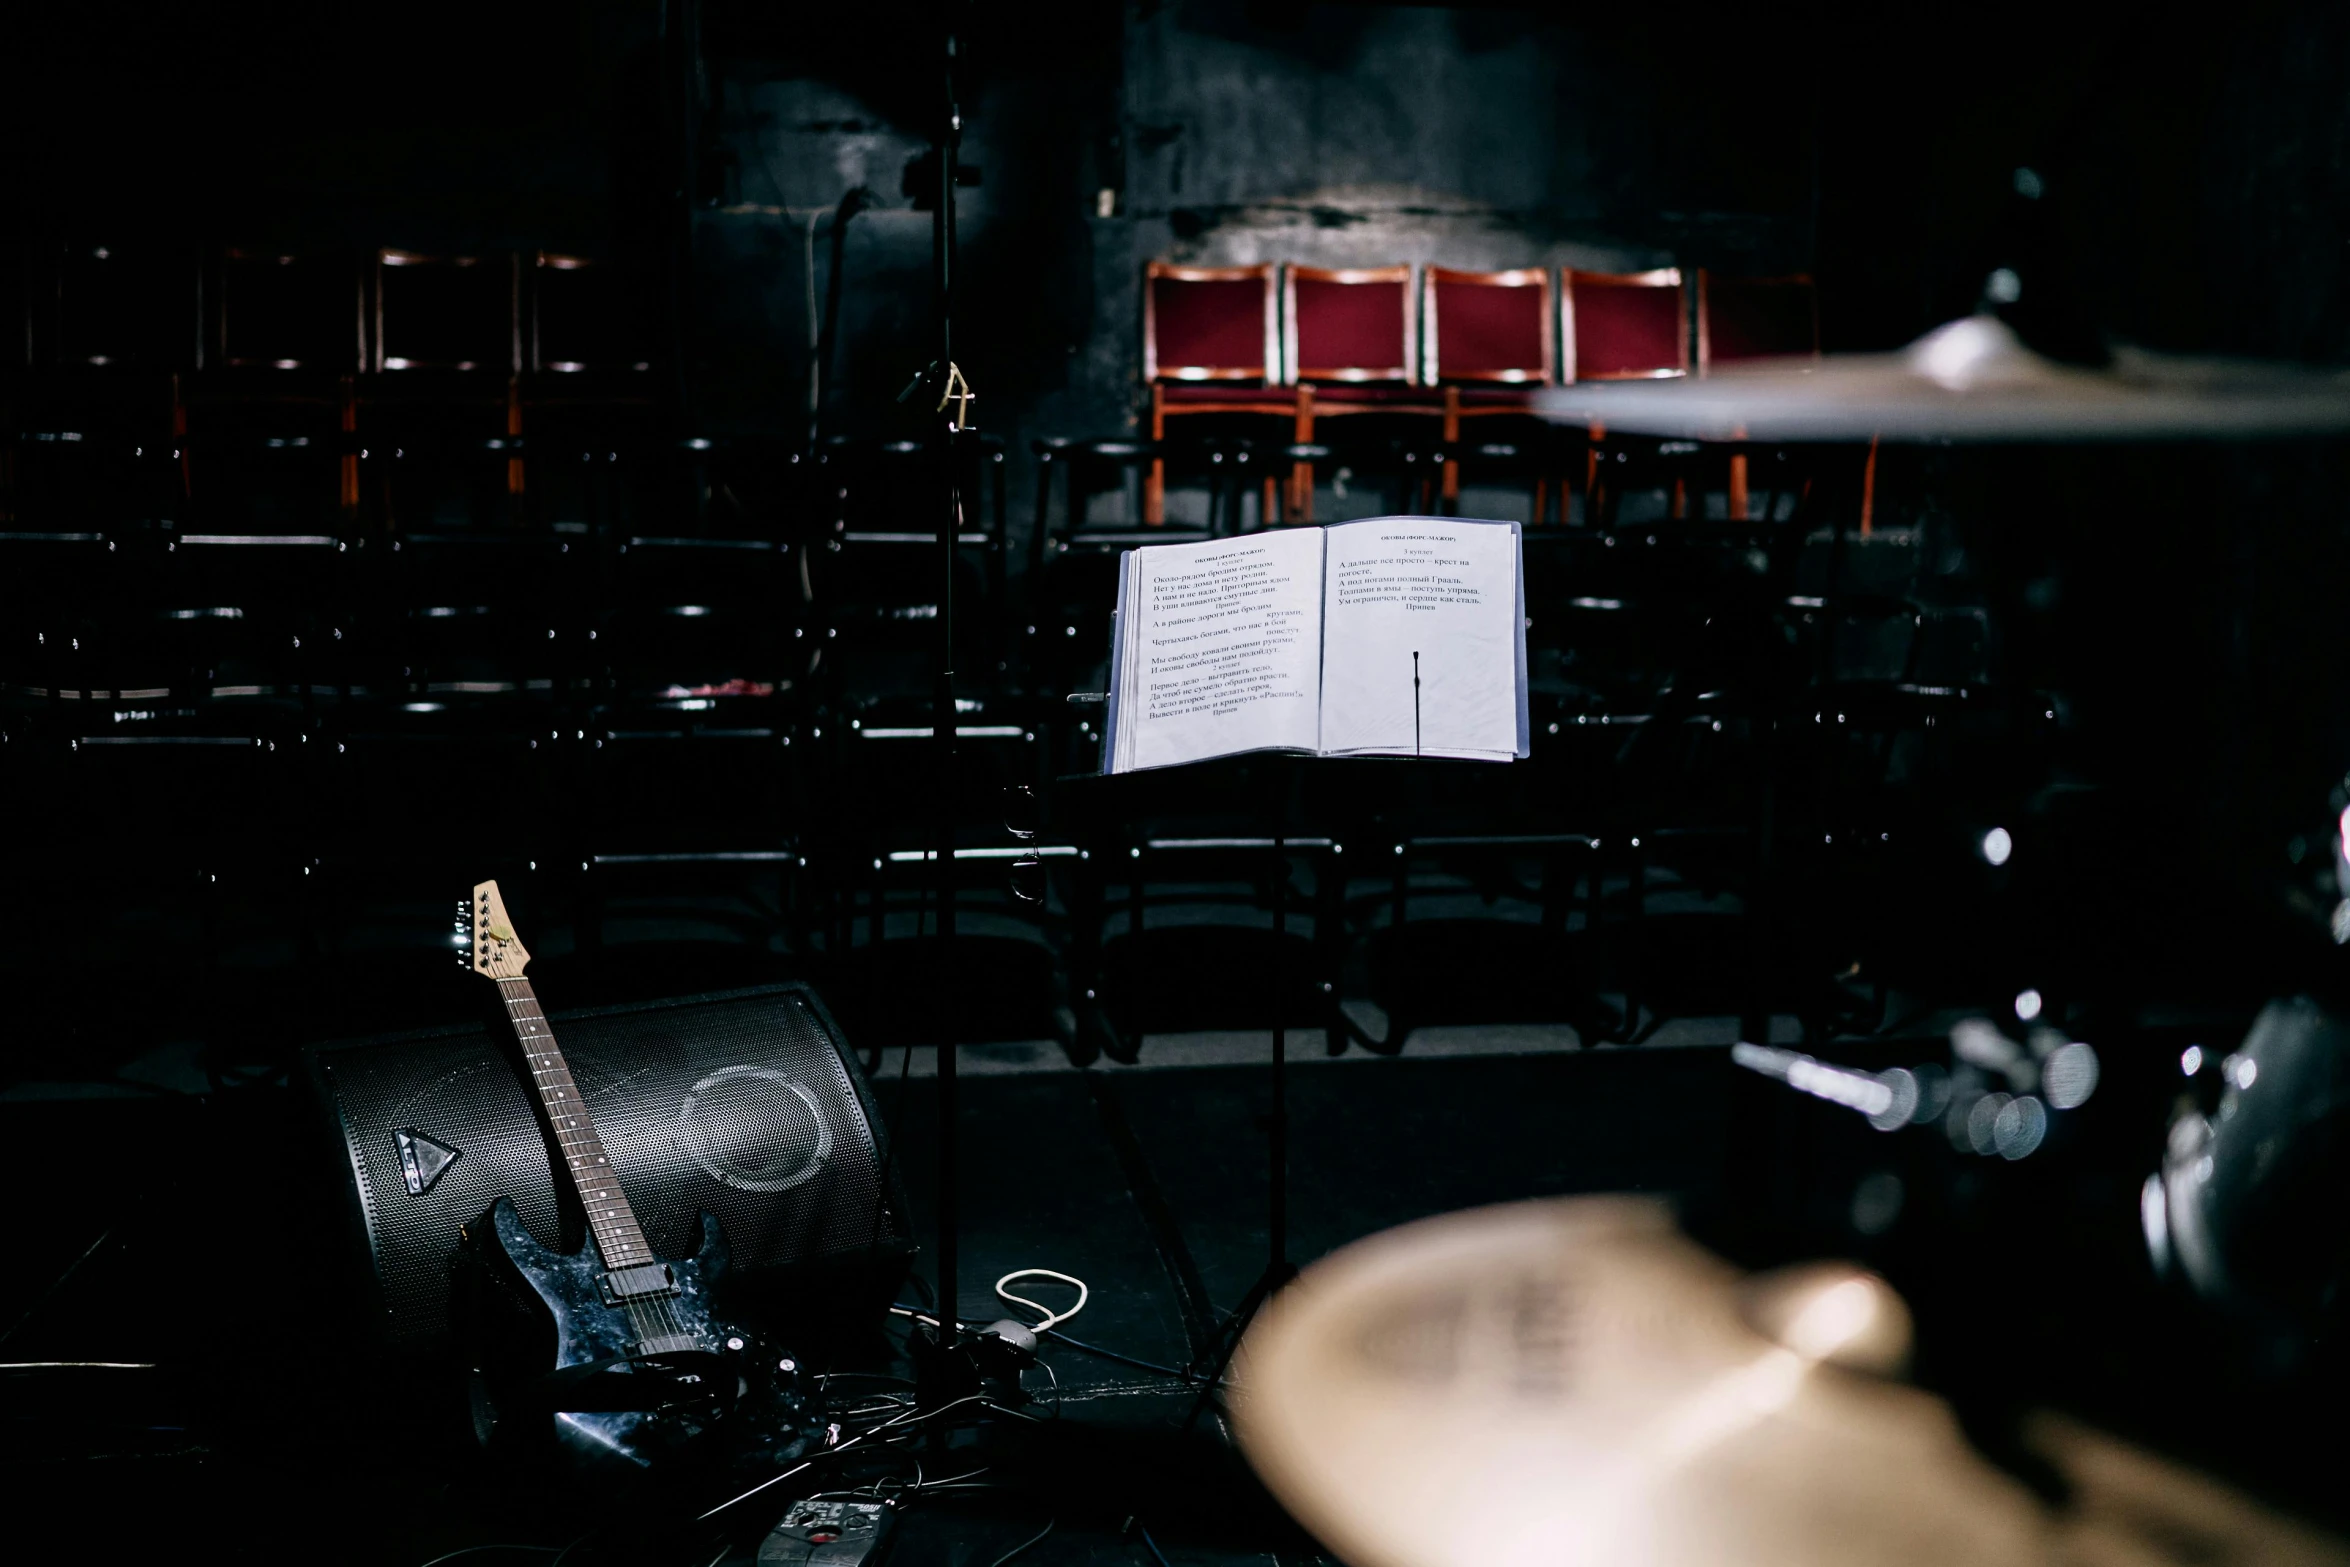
(539, 1321)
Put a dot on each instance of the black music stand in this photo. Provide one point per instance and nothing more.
(1279, 1269)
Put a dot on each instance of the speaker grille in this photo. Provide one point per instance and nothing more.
(745, 1106)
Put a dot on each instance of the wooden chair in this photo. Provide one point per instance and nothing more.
(1753, 318)
(1627, 326)
(271, 424)
(445, 393)
(1211, 344)
(119, 307)
(588, 318)
(101, 333)
(1620, 326)
(1348, 342)
(288, 313)
(1486, 343)
(600, 452)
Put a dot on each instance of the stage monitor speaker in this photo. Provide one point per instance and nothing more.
(745, 1104)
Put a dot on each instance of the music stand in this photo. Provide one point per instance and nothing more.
(1281, 837)
(1278, 1269)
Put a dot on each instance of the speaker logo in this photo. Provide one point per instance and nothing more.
(422, 1161)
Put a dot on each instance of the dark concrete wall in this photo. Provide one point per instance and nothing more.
(432, 124)
(1211, 130)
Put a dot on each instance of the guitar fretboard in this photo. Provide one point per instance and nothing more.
(609, 1217)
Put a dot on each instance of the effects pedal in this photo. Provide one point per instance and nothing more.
(829, 1534)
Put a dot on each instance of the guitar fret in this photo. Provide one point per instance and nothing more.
(609, 1217)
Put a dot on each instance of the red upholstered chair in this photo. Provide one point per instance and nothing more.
(1486, 343)
(1349, 326)
(1753, 318)
(1488, 329)
(1348, 337)
(1210, 345)
(1629, 326)
(1621, 326)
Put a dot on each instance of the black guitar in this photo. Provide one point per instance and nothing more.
(616, 1346)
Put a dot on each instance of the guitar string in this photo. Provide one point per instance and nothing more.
(610, 1232)
(518, 993)
(649, 1320)
(631, 1238)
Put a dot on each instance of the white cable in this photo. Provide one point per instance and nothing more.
(1052, 1319)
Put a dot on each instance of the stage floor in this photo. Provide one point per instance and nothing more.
(260, 1433)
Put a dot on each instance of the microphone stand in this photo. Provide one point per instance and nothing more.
(942, 1375)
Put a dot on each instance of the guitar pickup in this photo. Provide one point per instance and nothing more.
(639, 1283)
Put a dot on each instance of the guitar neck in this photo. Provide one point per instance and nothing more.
(610, 1219)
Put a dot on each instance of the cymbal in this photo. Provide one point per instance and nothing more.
(1970, 380)
(1573, 1382)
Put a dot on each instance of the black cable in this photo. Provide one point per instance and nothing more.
(1080, 1345)
(1025, 1544)
(1180, 1374)
(58, 1283)
(909, 1417)
(1153, 1544)
(1045, 1366)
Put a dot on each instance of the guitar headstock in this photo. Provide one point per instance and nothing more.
(487, 943)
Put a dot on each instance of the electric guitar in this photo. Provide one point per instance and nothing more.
(618, 1346)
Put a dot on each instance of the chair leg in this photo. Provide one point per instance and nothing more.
(1868, 489)
(1452, 467)
(1044, 504)
(1301, 474)
(1154, 484)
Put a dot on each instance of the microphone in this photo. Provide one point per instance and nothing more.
(1887, 1098)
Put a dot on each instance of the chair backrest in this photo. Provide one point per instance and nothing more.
(587, 317)
(1755, 318)
(1208, 323)
(290, 312)
(16, 307)
(1348, 324)
(1623, 326)
(445, 312)
(125, 306)
(1487, 326)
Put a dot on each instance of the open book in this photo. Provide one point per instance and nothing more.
(1393, 636)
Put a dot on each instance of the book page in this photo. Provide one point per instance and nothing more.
(1220, 649)
(1431, 599)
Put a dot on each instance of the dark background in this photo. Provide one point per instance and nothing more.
(2194, 182)
(2195, 174)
